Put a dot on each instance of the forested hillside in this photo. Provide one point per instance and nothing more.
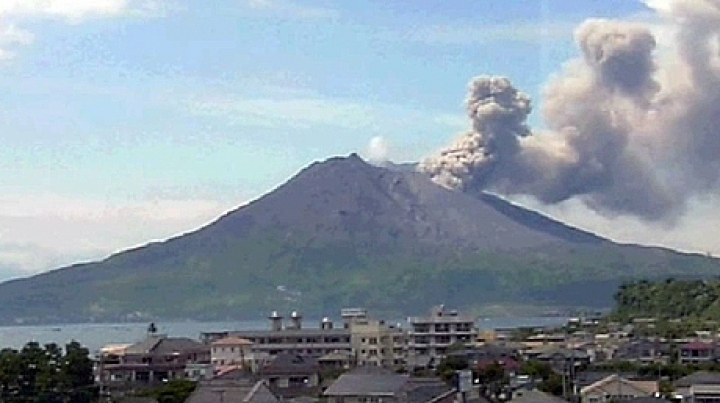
(669, 299)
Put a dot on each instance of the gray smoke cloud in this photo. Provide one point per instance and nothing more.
(628, 131)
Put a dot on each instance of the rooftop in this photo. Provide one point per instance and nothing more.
(232, 341)
(368, 381)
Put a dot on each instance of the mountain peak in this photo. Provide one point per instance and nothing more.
(343, 232)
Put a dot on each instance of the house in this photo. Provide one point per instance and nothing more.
(586, 378)
(647, 399)
(614, 388)
(696, 352)
(290, 376)
(644, 351)
(495, 352)
(417, 364)
(245, 389)
(158, 358)
(563, 359)
(234, 351)
(535, 396)
(544, 339)
(488, 354)
(337, 360)
(199, 371)
(701, 384)
(375, 384)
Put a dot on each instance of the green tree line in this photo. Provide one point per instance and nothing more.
(47, 374)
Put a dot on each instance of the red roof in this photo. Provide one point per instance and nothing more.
(697, 345)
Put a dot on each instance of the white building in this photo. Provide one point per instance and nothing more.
(232, 351)
(430, 336)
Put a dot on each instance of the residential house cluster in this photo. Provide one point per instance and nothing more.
(289, 360)
(288, 356)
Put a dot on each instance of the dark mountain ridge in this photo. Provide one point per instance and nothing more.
(344, 232)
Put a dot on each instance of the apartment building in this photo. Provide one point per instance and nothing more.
(430, 336)
(375, 342)
(291, 338)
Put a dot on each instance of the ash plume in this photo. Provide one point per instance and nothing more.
(627, 132)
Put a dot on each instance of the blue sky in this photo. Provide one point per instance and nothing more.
(124, 121)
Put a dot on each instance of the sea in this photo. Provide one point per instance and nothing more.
(94, 336)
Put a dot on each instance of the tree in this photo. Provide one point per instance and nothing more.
(76, 373)
(550, 381)
(492, 379)
(448, 367)
(46, 374)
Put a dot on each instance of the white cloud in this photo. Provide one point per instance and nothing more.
(689, 235)
(40, 232)
(287, 9)
(11, 36)
(14, 12)
(378, 149)
(73, 11)
(540, 31)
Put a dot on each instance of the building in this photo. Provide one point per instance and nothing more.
(696, 352)
(375, 342)
(698, 386)
(337, 361)
(245, 389)
(615, 388)
(232, 351)
(432, 335)
(158, 358)
(644, 351)
(290, 376)
(291, 338)
(375, 384)
(535, 396)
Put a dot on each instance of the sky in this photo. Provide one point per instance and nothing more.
(129, 121)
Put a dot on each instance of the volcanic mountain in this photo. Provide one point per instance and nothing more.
(346, 233)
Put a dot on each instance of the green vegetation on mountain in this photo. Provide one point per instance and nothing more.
(669, 299)
(345, 233)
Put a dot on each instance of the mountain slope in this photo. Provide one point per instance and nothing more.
(343, 232)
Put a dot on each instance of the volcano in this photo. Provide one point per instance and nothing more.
(343, 232)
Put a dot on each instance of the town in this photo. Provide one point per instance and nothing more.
(438, 358)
